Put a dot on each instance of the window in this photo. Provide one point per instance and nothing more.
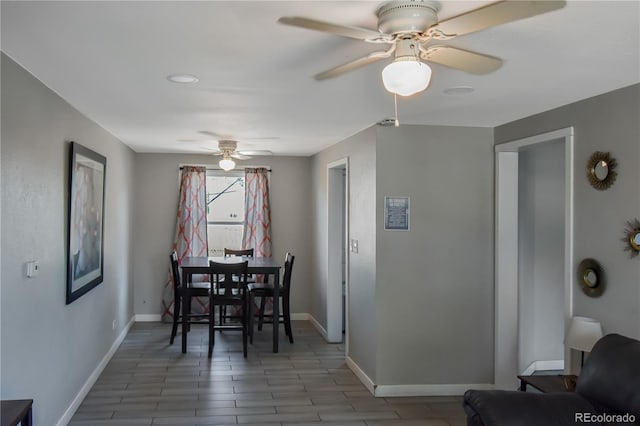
(225, 210)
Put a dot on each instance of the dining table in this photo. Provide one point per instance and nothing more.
(266, 266)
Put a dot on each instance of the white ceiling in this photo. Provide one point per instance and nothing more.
(110, 61)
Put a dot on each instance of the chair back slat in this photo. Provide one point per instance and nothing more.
(288, 268)
(175, 270)
(231, 252)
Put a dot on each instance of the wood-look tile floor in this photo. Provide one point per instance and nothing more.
(149, 382)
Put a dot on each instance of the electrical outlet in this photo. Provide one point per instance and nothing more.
(113, 325)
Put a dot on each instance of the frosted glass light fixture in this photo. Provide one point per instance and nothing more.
(406, 76)
(227, 163)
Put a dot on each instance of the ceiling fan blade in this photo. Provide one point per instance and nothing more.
(255, 152)
(211, 151)
(491, 15)
(263, 138)
(211, 134)
(350, 66)
(239, 156)
(465, 60)
(341, 30)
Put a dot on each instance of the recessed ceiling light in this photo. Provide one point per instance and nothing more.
(458, 90)
(182, 78)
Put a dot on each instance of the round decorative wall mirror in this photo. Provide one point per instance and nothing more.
(590, 276)
(601, 170)
(632, 237)
(634, 240)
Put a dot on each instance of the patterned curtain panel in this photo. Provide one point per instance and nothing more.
(257, 220)
(191, 232)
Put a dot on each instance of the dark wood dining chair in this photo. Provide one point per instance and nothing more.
(194, 289)
(266, 290)
(250, 278)
(229, 283)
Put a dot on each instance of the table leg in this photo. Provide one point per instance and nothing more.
(185, 307)
(28, 418)
(523, 386)
(276, 310)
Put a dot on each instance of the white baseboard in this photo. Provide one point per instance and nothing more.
(319, 327)
(300, 317)
(366, 381)
(91, 380)
(557, 364)
(428, 390)
(412, 390)
(148, 318)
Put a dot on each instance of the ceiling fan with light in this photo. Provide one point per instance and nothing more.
(410, 26)
(227, 148)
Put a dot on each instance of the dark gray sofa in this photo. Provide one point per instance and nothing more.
(608, 388)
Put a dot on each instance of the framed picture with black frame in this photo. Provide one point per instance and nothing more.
(85, 244)
(396, 213)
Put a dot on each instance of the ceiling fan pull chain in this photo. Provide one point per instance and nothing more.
(395, 104)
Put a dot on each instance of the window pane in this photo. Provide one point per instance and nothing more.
(225, 211)
(225, 199)
(221, 236)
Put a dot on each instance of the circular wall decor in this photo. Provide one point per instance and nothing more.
(590, 276)
(632, 237)
(601, 170)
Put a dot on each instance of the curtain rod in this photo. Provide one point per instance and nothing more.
(234, 170)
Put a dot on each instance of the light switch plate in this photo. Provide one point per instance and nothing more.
(354, 246)
(33, 267)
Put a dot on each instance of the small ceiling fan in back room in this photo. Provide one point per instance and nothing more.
(412, 27)
(227, 148)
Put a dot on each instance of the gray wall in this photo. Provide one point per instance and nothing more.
(541, 201)
(434, 284)
(608, 122)
(360, 149)
(49, 349)
(156, 205)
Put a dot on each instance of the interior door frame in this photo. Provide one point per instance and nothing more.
(335, 244)
(506, 251)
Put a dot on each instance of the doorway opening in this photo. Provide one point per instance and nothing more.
(517, 193)
(337, 254)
